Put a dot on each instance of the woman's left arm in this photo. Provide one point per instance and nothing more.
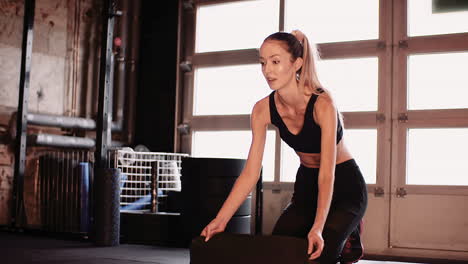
(327, 118)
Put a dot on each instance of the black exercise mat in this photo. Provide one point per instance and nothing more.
(247, 249)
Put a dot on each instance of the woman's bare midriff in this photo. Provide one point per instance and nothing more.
(312, 160)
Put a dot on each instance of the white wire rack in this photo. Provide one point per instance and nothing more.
(147, 178)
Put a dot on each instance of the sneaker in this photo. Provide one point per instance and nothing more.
(353, 250)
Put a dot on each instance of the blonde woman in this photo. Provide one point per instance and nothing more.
(330, 195)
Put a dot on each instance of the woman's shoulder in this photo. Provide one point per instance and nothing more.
(261, 110)
(262, 104)
(324, 99)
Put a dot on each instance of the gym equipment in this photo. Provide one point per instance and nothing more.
(247, 249)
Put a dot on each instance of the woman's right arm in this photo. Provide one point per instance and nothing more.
(249, 175)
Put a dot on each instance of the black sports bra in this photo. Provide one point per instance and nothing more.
(308, 140)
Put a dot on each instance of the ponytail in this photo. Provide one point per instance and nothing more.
(298, 46)
(308, 73)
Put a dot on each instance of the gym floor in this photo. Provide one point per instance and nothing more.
(21, 248)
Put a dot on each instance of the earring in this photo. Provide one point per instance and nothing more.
(298, 76)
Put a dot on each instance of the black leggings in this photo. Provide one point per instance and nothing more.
(347, 208)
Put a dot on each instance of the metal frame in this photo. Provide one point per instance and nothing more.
(104, 124)
(380, 119)
(21, 121)
(392, 48)
(404, 119)
(104, 118)
(405, 46)
(179, 74)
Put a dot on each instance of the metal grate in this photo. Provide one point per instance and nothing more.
(64, 189)
(147, 178)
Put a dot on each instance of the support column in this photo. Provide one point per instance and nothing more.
(21, 120)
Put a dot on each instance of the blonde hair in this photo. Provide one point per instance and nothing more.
(308, 77)
(298, 46)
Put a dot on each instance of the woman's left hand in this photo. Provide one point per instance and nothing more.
(315, 243)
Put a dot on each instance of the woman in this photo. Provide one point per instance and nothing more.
(330, 195)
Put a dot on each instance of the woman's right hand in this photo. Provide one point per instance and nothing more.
(214, 227)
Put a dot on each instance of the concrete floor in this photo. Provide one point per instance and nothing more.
(25, 248)
(21, 248)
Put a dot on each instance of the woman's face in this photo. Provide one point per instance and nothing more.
(277, 67)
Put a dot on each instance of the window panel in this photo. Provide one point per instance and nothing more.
(428, 17)
(237, 25)
(353, 82)
(437, 156)
(289, 163)
(333, 20)
(228, 90)
(438, 81)
(362, 144)
(233, 144)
